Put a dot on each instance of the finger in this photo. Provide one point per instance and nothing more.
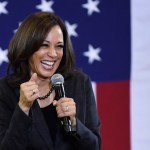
(30, 88)
(34, 91)
(33, 77)
(64, 106)
(61, 107)
(64, 101)
(54, 102)
(66, 113)
(35, 96)
(28, 84)
(30, 96)
(66, 110)
(30, 91)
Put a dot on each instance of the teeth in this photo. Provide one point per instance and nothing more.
(50, 63)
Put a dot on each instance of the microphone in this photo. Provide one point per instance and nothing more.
(57, 81)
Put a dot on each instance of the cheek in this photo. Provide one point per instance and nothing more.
(36, 56)
(60, 54)
(33, 61)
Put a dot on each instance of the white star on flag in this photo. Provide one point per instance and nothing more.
(17, 28)
(2, 7)
(92, 54)
(45, 6)
(91, 6)
(3, 55)
(71, 29)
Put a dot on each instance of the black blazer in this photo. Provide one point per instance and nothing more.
(21, 132)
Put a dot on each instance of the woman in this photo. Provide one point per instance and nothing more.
(29, 112)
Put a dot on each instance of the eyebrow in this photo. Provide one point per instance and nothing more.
(49, 42)
(46, 41)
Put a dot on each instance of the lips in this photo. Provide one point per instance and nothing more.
(47, 64)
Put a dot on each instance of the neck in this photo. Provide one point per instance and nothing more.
(43, 86)
(47, 101)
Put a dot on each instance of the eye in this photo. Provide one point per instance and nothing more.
(44, 45)
(61, 46)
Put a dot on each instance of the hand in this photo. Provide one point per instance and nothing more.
(66, 107)
(28, 93)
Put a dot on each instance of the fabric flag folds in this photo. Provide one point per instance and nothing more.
(111, 42)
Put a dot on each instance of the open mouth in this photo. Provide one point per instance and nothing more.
(47, 64)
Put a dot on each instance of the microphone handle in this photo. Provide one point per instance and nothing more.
(60, 92)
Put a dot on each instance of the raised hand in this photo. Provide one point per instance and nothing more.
(28, 93)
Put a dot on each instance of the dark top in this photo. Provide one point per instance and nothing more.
(21, 132)
(50, 116)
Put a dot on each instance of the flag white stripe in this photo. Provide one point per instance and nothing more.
(94, 89)
(140, 75)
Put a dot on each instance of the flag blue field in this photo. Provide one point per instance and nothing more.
(101, 34)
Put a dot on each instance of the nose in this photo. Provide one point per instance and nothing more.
(52, 52)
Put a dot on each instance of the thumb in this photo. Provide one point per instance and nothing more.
(54, 102)
(33, 77)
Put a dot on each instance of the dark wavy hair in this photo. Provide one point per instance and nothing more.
(28, 39)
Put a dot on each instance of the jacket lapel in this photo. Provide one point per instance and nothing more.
(40, 125)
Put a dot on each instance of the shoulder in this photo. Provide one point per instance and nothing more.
(4, 86)
(3, 82)
(78, 78)
(79, 75)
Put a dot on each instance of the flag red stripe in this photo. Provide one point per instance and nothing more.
(113, 107)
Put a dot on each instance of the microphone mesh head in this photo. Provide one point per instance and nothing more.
(57, 78)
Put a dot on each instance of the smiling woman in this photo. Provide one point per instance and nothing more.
(30, 109)
(46, 60)
(34, 36)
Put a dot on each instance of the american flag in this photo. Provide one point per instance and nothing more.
(111, 42)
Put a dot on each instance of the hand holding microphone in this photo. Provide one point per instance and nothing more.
(65, 107)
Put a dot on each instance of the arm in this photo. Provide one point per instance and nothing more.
(87, 135)
(14, 123)
(14, 126)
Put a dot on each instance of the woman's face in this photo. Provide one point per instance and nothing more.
(46, 60)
